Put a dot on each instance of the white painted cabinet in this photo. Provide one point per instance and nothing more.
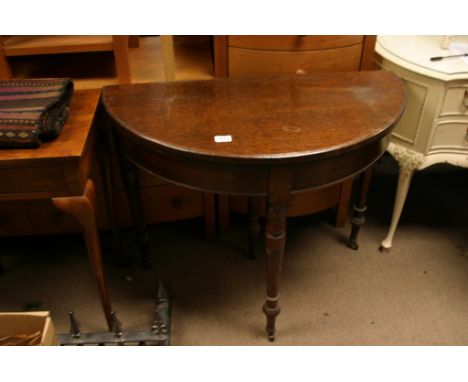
(434, 127)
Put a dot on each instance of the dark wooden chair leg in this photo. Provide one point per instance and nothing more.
(360, 208)
(107, 155)
(105, 160)
(275, 241)
(130, 180)
(253, 226)
(83, 209)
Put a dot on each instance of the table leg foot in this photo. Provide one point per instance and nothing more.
(83, 209)
(356, 221)
(271, 312)
(384, 249)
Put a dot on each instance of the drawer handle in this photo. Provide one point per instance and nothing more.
(465, 99)
(466, 135)
(177, 203)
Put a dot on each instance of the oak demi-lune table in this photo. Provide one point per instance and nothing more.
(268, 136)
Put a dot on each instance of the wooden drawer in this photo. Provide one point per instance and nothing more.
(291, 43)
(449, 136)
(171, 202)
(28, 179)
(161, 204)
(47, 219)
(14, 219)
(248, 62)
(455, 101)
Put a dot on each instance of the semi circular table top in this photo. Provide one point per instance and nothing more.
(230, 135)
(259, 120)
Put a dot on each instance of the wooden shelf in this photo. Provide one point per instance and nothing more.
(32, 45)
(43, 45)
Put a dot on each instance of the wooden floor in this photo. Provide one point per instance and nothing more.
(193, 60)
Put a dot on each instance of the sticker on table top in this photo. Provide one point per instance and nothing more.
(222, 138)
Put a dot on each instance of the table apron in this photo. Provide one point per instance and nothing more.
(251, 179)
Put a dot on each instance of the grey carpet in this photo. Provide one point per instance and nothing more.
(415, 295)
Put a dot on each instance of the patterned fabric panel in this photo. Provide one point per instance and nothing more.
(33, 110)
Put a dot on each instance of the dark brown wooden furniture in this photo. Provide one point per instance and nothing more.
(240, 56)
(254, 136)
(59, 171)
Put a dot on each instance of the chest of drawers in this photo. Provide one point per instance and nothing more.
(434, 128)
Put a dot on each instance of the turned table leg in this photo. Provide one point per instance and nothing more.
(83, 209)
(130, 180)
(275, 240)
(360, 208)
(404, 180)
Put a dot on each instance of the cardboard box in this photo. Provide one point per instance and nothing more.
(27, 324)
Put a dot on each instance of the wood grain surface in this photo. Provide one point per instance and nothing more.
(281, 118)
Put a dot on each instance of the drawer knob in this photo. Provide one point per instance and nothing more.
(465, 99)
(300, 71)
(177, 203)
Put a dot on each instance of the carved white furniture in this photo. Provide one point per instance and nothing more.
(434, 128)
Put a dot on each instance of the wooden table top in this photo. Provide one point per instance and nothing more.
(72, 141)
(270, 118)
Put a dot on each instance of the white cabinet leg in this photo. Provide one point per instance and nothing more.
(404, 181)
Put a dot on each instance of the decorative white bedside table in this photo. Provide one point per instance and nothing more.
(434, 128)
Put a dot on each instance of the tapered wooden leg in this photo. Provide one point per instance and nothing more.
(360, 208)
(132, 188)
(275, 240)
(253, 227)
(83, 209)
(404, 181)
